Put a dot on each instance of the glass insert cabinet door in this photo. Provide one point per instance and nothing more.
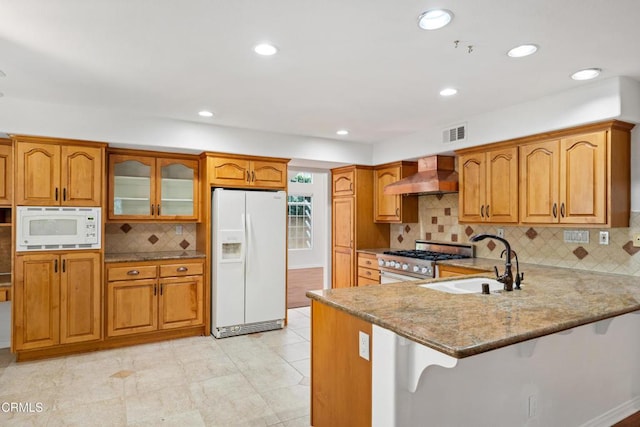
(132, 186)
(177, 188)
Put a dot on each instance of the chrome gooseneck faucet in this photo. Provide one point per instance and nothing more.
(507, 277)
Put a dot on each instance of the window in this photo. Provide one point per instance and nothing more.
(300, 231)
(301, 177)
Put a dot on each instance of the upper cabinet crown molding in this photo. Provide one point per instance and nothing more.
(54, 172)
(577, 176)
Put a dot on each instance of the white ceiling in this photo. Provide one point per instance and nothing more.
(355, 64)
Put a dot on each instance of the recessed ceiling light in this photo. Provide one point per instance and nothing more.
(522, 50)
(265, 49)
(205, 113)
(586, 74)
(434, 19)
(342, 132)
(448, 91)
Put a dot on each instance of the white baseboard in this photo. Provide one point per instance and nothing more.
(616, 414)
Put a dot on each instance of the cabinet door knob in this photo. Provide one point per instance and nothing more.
(133, 272)
(182, 269)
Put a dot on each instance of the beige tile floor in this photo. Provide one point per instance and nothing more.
(252, 380)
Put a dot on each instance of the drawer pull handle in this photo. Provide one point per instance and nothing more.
(182, 269)
(368, 273)
(133, 272)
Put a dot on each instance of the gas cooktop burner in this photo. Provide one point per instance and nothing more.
(426, 255)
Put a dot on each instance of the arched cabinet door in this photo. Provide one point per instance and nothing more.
(38, 174)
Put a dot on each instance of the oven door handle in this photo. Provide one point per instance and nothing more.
(394, 277)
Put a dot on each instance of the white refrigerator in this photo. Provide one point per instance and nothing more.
(248, 277)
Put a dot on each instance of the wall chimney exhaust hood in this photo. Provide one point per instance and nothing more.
(436, 175)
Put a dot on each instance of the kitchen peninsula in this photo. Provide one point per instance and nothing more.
(542, 355)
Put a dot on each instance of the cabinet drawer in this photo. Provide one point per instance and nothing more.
(368, 273)
(181, 269)
(363, 281)
(367, 261)
(132, 272)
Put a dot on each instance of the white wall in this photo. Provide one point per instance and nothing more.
(153, 133)
(316, 256)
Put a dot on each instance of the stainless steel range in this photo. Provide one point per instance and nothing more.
(419, 263)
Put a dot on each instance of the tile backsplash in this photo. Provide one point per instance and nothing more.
(534, 244)
(149, 237)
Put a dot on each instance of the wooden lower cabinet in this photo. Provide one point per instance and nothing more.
(154, 296)
(455, 271)
(57, 299)
(340, 378)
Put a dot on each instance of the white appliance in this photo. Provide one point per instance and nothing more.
(249, 261)
(51, 228)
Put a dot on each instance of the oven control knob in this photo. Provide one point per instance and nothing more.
(424, 270)
(381, 262)
(416, 268)
(397, 265)
(405, 266)
(388, 264)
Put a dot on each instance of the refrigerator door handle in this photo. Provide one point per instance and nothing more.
(247, 234)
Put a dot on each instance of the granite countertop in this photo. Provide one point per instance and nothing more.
(552, 299)
(151, 256)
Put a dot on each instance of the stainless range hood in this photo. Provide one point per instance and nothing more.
(436, 175)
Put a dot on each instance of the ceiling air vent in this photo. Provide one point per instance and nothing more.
(455, 133)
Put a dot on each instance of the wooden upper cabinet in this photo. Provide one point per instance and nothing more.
(81, 175)
(565, 181)
(177, 185)
(489, 186)
(149, 187)
(6, 173)
(539, 177)
(389, 207)
(38, 174)
(53, 173)
(246, 171)
(343, 183)
(472, 181)
(502, 186)
(228, 171)
(583, 179)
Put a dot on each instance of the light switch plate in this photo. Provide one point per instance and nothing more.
(178, 230)
(500, 232)
(636, 240)
(363, 345)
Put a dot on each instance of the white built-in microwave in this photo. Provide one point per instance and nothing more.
(40, 228)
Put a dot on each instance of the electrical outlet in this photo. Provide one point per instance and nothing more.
(636, 240)
(604, 238)
(178, 230)
(363, 340)
(500, 232)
